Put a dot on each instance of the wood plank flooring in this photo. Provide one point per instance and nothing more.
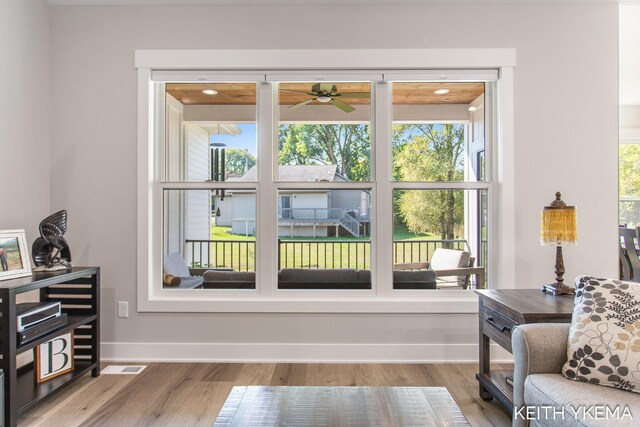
(192, 394)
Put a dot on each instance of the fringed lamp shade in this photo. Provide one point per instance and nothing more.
(559, 225)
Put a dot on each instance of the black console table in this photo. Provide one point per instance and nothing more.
(78, 291)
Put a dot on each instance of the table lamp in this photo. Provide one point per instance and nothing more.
(559, 227)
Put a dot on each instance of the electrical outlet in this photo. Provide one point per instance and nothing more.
(123, 309)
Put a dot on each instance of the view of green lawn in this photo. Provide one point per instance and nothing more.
(400, 232)
(320, 252)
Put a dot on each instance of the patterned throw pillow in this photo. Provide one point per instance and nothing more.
(604, 339)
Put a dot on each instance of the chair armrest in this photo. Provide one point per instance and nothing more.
(464, 271)
(411, 266)
(538, 348)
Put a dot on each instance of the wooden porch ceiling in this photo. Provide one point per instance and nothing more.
(245, 93)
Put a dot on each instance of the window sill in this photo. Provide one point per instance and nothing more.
(454, 302)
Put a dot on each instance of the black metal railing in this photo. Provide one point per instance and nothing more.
(324, 254)
(411, 251)
(239, 255)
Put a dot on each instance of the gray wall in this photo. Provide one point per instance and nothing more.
(25, 115)
(565, 133)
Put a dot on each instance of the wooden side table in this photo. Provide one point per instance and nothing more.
(499, 312)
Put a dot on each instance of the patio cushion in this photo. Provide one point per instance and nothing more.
(447, 259)
(216, 278)
(417, 279)
(189, 283)
(174, 265)
(364, 276)
(306, 275)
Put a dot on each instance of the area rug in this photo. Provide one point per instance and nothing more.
(340, 406)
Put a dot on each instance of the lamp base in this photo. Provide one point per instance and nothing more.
(556, 289)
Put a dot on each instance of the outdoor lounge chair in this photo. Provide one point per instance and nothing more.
(174, 265)
(453, 269)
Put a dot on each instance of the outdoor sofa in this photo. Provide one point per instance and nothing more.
(305, 278)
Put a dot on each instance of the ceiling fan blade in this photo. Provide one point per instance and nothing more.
(294, 91)
(342, 105)
(354, 95)
(300, 104)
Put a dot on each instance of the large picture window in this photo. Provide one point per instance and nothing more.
(325, 184)
(333, 185)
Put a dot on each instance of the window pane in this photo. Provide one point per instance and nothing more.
(324, 239)
(210, 131)
(629, 186)
(324, 124)
(210, 238)
(437, 230)
(438, 131)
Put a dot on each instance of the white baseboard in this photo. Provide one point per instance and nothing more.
(297, 353)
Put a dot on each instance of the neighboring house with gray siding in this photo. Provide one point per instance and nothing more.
(301, 213)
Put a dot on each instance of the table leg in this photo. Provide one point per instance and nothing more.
(485, 355)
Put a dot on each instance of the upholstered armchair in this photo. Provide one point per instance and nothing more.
(539, 353)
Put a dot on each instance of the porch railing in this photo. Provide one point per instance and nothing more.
(324, 254)
(410, 251)
(239, 255)
(318, 214)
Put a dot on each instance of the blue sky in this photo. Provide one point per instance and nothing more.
(246, 140)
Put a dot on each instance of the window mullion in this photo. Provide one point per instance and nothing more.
(266, 212)
(383, 218)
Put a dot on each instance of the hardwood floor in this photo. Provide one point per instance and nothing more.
(191, 394)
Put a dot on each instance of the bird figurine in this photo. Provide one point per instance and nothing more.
(50, 251)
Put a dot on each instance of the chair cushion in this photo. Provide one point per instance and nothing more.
(417, 279)
(554, 390)
(229, 276)
(364, 276)
(175, 265)
(189, 283)
(604, 339)
(306, 275)
(447, 259)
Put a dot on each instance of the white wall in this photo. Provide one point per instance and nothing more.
(25, 116)
(244, 213)
(629, 74)
(629, 57)
(565, 129)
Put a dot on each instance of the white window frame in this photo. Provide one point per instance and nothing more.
(266, 297)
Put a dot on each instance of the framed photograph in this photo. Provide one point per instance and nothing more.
(54, 357)
(14, 254)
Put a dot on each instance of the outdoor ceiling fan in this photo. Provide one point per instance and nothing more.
(328, 93)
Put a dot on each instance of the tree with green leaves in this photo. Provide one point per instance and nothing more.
(238, 162)
(430, 152)
(629, 183)
(346, 145)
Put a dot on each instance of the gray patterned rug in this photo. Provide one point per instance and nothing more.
(340, 406)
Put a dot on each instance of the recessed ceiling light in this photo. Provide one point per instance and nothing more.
(210, 92)
(441, 91)
(472, 109)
